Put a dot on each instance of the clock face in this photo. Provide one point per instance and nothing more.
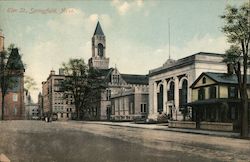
(100, 49)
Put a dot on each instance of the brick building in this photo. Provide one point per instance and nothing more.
(14, 99)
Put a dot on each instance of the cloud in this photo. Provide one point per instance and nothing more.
(68, 35)
(146, 58)
(123, 7)
(207, 43)
(78, 21)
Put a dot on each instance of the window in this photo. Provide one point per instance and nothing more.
(212, 92)
(15, 111)
(232, 92)
(171, 92)
(131, 107)
(143, 108)
(201, 94)
(67, 115)
(100, 49)
(70, 109)
(204, 80)
(108, 94)
(15, 99)
(61, 115)
(116, 79)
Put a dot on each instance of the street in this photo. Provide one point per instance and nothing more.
(91, 142)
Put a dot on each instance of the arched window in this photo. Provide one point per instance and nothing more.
(183, 92)
(100, 49)
(171, 91)
(160, 99)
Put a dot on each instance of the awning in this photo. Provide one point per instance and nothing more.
(212, 101)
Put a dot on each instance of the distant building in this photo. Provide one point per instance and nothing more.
(14, 99)
(137, 85)
(40, 105)
(169, 84)
(54, 100)
(31, 108)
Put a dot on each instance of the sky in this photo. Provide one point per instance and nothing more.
(49, 33)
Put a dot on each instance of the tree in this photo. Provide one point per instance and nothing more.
(237, 30)
(29, 83)
(84, 83)
(10, 69)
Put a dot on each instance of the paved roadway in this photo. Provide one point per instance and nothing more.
(80, 141)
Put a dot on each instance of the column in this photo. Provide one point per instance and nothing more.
(176, 92)
(165, 96)
(155, 99)
(176, 96)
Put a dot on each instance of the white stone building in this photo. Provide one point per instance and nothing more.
(169, 84)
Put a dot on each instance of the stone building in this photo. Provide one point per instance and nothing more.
(54, 101)
(169, 85)
(130, 103)
(14, 99)
(117, 82)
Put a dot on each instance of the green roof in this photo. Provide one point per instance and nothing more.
(14, 61)
(135, 79)
(222, 78)
(225, 77)
(98, 29)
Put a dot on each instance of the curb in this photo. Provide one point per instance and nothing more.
(212, 133)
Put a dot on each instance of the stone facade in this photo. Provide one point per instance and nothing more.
(116, 81)
(169, 84)
(54, 101)
(130, 103)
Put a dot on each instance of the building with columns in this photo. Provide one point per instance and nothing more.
(169, 85)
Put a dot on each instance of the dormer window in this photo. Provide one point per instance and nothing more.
(204, 80)
(116, 79)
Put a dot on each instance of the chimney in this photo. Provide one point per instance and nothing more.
(61, 71)
(52, 72)
(230, 68)
(1, 41)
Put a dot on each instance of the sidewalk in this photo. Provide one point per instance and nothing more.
(165, 128)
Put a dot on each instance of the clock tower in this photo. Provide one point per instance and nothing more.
(98, 59)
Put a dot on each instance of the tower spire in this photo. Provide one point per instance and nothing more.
(98, 29)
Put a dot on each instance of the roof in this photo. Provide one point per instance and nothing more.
(187, 61)
(98, 29)
(105, 72)
(14, 61)
(211, 101)
(135, 79)
(224, 78)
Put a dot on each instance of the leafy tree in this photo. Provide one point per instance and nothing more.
(237, 30)
(11, 67)
(84, 83)
(29, 83)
